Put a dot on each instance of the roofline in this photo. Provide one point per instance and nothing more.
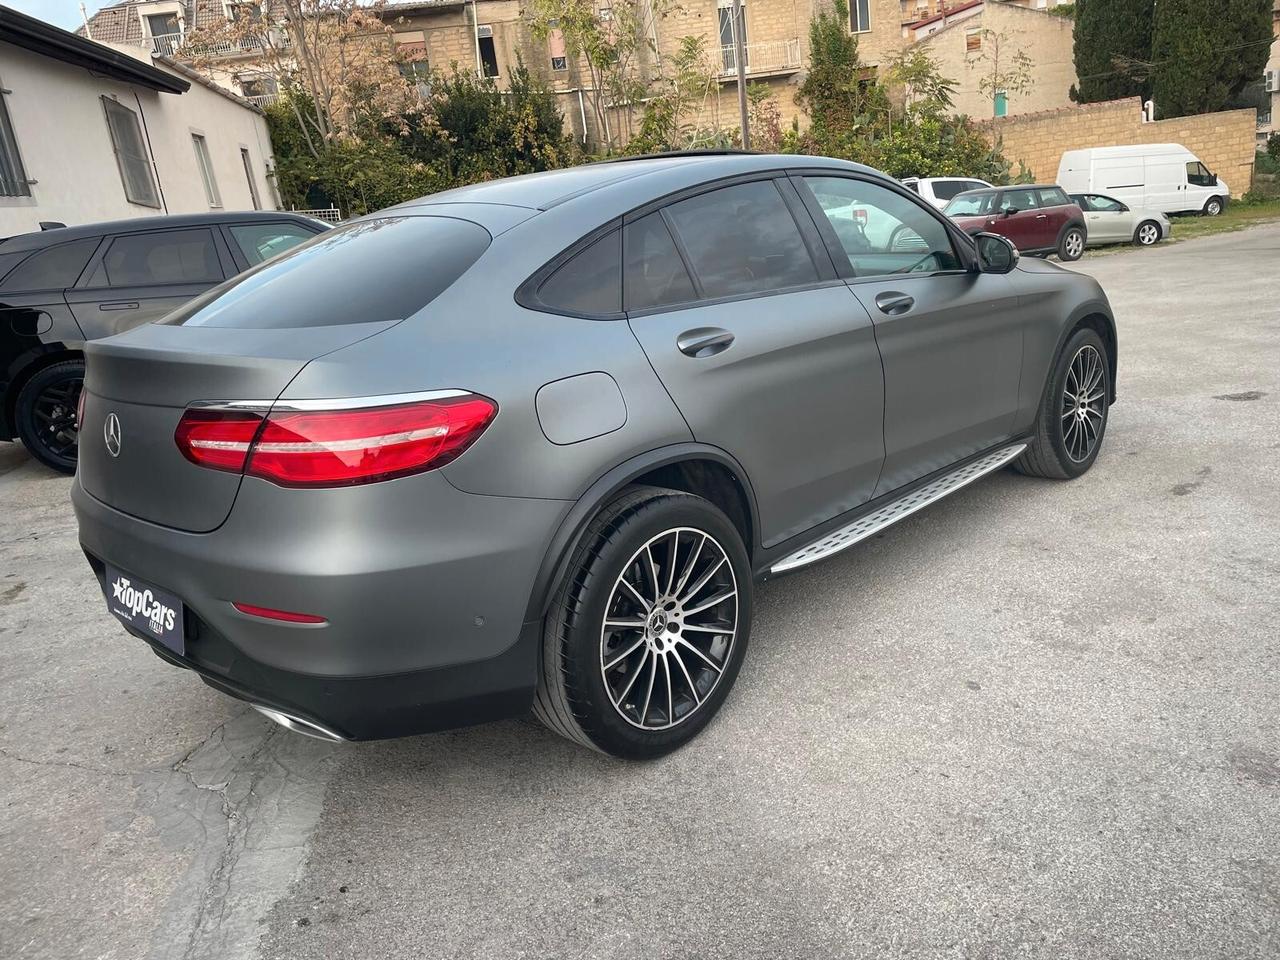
(58, 44)
(204, 81)
(951, 11)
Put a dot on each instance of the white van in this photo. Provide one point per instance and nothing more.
(1156, 176)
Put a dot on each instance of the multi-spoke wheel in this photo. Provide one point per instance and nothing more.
(1071, 244)
(1147, 234)
(1083, 402)
(46, 414)
(669, 628)
(649, 628)
(1073, 412)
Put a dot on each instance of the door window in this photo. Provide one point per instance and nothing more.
(1198, 175)
(881, 231)
(742, 239)
(1019, 200)
(54, 269)
(653, 273)
(1103, 204)
(590, 284)
(173, 256)
(262, 241)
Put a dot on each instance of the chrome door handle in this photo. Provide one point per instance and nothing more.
(704, 342)
(1042, 216)
(119, 305)
(894, 303)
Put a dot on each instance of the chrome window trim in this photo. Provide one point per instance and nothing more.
(330, 403)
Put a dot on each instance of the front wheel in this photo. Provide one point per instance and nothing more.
(1213, 206)
(1071, 245)
(647, 633)
(1073, 412)
(1147, 234)
(46, 414)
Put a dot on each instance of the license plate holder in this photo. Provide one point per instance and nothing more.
(147, 608)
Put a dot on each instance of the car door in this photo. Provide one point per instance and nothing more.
(1107, 220)
(140, 277)
(1055, 211)
(761, 346)
(950, 340)
(1019, 219)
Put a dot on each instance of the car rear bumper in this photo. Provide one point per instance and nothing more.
(425, 591)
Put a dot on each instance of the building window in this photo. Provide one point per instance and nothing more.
(556, 49)
(131, 154)
(728, 53)
(488, 53)
(206, 170)
(1001, 103)
(860, 16)
(415, 71)
(248, 175)
(13, 176)
(972, 41)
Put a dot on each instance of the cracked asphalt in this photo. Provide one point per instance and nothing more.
(1037, 720)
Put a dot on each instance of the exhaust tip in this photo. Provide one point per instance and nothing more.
(305, 727)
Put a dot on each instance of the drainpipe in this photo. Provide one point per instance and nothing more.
(582, 110)
(475, 35)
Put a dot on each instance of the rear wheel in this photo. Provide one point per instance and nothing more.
(1071, 244)
(46, 414)
(1147, 234)
(1073, 412)
(647, 633)
(1214, 206)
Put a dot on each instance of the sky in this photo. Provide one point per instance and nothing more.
(61, 13)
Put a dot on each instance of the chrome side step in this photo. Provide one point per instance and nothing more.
(904, 506)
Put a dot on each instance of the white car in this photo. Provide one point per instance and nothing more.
(939, 190)
(1107, 220)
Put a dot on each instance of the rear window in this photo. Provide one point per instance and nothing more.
(53, 269)
(367, 272)
(946, 189)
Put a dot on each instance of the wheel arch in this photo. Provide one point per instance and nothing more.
(1102, 323)
(22, 369)
(700, 469)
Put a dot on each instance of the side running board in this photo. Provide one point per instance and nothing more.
(892, 512)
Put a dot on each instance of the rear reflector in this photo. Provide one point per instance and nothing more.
(285, 615)
(329, 448)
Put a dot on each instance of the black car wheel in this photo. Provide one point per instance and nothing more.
(46, 414)
(1071, 244)
(1073, 412)
(648, 631)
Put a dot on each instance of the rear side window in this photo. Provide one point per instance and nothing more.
(1053, 197)
(654, 273)
(53, 269)
(742, 239)
(262, 241)
(590, 283)
(171, 256)
(366, 272)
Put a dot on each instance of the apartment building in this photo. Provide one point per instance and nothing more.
(131, 135)
(1269, 119)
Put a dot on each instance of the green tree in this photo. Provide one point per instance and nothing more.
(839, 99)
(1112, 47)
(1205, 54)
(1006, 69)
(668, 121)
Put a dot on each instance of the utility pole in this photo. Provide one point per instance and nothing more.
(740, 58)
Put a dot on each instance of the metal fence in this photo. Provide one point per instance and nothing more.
(331, 214)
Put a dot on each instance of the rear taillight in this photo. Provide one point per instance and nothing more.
(328, 448)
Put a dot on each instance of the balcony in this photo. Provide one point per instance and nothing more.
(263, 99)
(168, 44)
(771, 59)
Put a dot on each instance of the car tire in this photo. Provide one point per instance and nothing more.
(1068, 433)
(1214, 206)
(1147, 234)
(1071, 244)
(592, 673)
(45, 414)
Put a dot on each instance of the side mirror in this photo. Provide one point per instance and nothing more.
(996, 254)
(1009, 211)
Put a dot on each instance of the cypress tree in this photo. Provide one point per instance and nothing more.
(1111, 38)
(1205, 54)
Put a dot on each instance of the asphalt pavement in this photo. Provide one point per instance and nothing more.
(1038, 719)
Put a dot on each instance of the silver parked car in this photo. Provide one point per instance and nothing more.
(1110, 221)
(529, 443)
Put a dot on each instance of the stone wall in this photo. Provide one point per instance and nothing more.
(1224, 141)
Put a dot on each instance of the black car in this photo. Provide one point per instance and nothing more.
(65, 285)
